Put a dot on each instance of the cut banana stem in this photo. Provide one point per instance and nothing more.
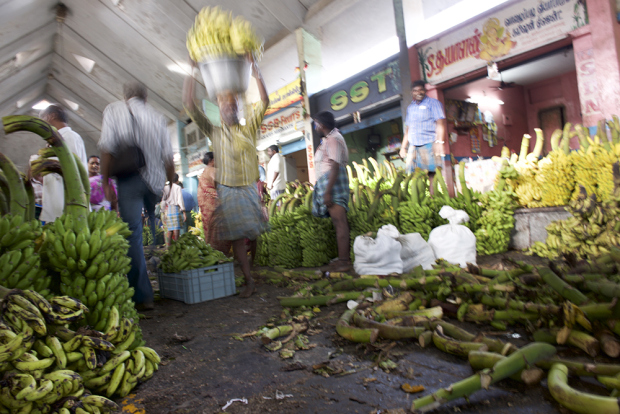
(578, 401)
(388, 331)
(353, 334)
(516, 362)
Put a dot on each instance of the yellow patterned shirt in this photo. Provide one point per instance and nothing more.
(234, 150)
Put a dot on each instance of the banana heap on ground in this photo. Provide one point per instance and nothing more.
(81, 247)
(296, 238)
(49, 368)
(591, 231)
(379, 196)
(190, 252)
(216, 34)
(560, 305)
(555, 179)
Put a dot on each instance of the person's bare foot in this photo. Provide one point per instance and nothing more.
(249, 289)
(339, 266)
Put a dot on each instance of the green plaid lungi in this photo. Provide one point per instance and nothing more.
(239, 215)
(340, 193)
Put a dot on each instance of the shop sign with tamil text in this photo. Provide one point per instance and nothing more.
(521, 27)
(281, 127)
(284, 97)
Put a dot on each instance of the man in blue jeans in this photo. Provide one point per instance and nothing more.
(127, 123)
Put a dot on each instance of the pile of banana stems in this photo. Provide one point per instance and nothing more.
(574, 307)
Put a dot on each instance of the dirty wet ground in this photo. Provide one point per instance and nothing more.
(202, 374)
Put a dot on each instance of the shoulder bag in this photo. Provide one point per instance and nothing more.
(129, 159)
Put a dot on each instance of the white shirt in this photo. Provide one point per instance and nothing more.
(53, 197)
(276, 165)
(152, 138)
(173, 197)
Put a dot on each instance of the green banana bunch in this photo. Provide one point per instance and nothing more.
(20, 263)
(496, 222)
(190, 252)
(92, 265)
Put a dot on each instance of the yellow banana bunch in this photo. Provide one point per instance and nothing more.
(215, 33)
(47, 364)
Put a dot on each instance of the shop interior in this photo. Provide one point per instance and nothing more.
(381, 142)
(488, 113)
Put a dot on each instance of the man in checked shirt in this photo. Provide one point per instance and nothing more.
(425, 128)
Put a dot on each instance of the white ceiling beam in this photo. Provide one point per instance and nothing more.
(26, 75)
(324, 11)
(74, 72)
(123, 75)
(72, 94)
(290, 13)
(9, 106)
(39, 35)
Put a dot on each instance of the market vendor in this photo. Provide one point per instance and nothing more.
(331, 191)
(239, 215)
(425, 128)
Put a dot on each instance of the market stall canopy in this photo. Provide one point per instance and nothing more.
(80, 53)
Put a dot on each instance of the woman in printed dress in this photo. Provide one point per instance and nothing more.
(208, 203)
(97, 196)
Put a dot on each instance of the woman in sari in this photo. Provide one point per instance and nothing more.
(208, 203)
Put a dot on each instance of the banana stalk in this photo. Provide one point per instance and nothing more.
(501, 303)
(388, 331)
(344, 329)
(566, 137)
(18, 200)
(76, 203)
(494, 345)
(400, 303)
(577, 401)
(555, 139)
(561, 287)
(456, 347)
(578, 339)
(609, 344)
(293, 302)
(466, 192)
(516, 362)
(525, 147)
(604, 288)
(540, 142)
(584, 369)
(480, 360)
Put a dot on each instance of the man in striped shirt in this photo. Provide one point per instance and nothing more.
(133, 122)
(425, 128)
(239, 215)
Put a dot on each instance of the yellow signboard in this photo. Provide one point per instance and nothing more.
(285, 96)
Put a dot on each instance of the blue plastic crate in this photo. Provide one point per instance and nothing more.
(198, 285)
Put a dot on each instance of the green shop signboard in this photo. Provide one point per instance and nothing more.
(374, 85)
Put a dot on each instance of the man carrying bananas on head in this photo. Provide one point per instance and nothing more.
(239, 215)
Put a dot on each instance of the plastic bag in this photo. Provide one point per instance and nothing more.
(415, 252)
(379, 256)
(454, 242)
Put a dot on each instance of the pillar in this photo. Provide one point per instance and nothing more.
(403, 59)
(597, 58)
(181, 144)
(309, 52)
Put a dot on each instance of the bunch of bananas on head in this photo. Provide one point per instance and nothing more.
(52, 369)
(215, 34)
